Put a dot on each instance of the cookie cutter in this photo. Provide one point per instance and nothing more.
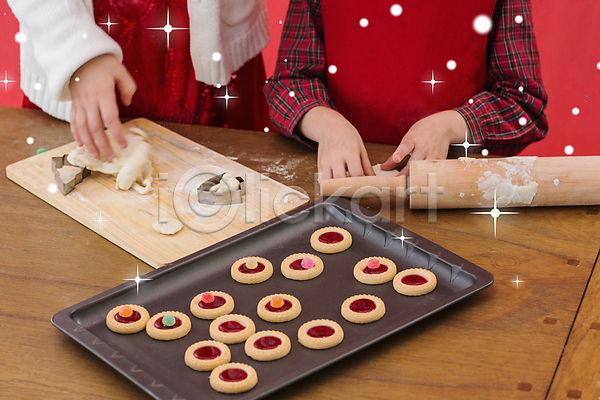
(205, 196)
(67, 187)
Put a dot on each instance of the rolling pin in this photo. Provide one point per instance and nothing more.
(515, 181)
(363, 185)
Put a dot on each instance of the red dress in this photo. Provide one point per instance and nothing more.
(161, 66)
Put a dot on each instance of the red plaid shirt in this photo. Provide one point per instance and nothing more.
(504, 118)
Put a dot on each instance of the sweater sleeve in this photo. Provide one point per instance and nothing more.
(510, 115)
(63, 36)
(298, 83)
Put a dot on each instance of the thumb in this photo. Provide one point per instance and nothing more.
(125, 85)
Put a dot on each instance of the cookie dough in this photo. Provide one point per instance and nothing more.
(320, 334)
(127, 319)
(231, 328)
(206, 355)
(363, 308)
(233, 378)
(415, 282)
(211, 304)
(251, 270)
(168, 325)
(278, 307)
(268, 345)
(388, 174)
(167, 226)
(301, 266)
(331, 240)
(374, 270)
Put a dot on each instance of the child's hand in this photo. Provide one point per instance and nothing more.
(340, 146)
(429, 139)
(95, 106)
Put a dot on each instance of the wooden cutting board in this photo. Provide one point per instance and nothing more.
(180, 165)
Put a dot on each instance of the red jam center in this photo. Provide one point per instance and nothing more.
(245, 270)
(233, 375)
(286, 306)
(320, 331)
(158, 324)
(267, 343)
(373, 271)
(297, 265)
(207, 352)
(217, 302)
(414, 280)
(331, 237)
(231, 327)
(135, 316)
(363, 305)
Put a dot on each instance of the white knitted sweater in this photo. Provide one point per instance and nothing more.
(61, 35)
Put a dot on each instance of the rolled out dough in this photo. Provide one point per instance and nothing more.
(388, 174)
(168, 226)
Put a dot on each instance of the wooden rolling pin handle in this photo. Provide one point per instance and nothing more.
(361, 185)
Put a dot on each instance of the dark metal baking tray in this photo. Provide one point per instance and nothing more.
(158, 367)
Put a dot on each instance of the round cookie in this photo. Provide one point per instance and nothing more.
(211, 304)
(331, 240)
(374, 270)
(168, 325)
(127, 319)
(301, 266)
(363, 308)
(231, 328)
(233, 378)
(415, 282)
(320, 334)
(278, 307)
(251, 270)
(268, 345)
(206, 355)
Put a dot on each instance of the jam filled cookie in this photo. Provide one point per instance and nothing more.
(211, 304)
(415, 282)
(374, 270)
(320, 334)
(232, 328)
(331, 240)
(251, 270)
(206, 355)
(168, 325)
(301, 266)
(278, 308)
(127, 319)
(363, 308)
(268, 345)
(233, 378)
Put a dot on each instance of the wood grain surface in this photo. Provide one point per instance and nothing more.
(505, 342)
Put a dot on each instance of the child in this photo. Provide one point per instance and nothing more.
(158, 60)
(421, 73)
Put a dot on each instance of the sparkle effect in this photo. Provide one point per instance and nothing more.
(137, 279)
(226, 97)
(100, 220)
(402, 237)
(432, 82)
(517, 281)
(168, 28)
(6, 81)
(108, 24)
(495, 213)
(465, 144)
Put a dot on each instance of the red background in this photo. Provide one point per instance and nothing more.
(568, 39)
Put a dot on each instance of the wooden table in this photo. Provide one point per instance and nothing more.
(534, 334)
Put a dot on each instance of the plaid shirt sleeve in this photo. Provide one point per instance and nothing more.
(510, 115)
(298, 83)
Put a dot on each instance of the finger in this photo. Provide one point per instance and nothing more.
(74, 127)
(84, 134)
(355, 168)
(405, 148)
(97, 131)
(339, 171)
(110, 116)
(125, 85)
(366, 163)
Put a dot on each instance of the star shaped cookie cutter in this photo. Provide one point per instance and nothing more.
(205, 196)
(67, 187)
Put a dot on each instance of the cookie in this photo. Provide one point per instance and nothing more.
(267, 345)
(374, 270)
(251, 270)
(127, 319)
(231, 328)
(331, 240)
(320, 334)
(211, 304)
(301, 266)
(363, 308)
(168, 325)
(278, 307)
(415, 282)
(233, 378)
(206, 355)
